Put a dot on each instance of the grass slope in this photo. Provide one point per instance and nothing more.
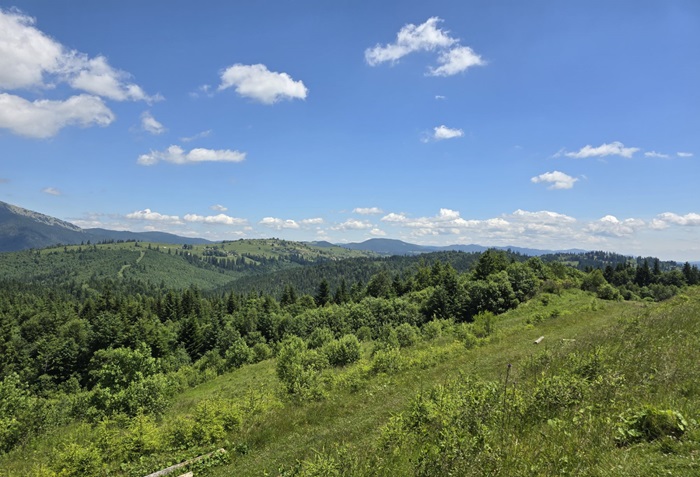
(645, 354)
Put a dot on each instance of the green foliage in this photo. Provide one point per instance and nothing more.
(344, 351)
(298, 368)
(387, 361)
(648, 424)
(407, 335)
(319, 337)
(238, 354)
(79, 461)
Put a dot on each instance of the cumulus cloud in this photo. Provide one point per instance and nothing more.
(29, 59)
(424, 37)
(44, 118)
(443, 132)
(541, 216)
(259, 83)
(220, 219)
(353, 224)
(96, 76)
(612, 226)
(669, 218)
(150, 124)
(656, 155)
(148, 214)
(218, 208)
(613, 149)
(177, 155)
(556, 180)
(455, 61)
(312, 221)
(367, 210)
(377, 233)
(453, 58)
(279, 224)
(51, 191)
(684, 154)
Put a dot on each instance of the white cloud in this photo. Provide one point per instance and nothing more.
(377, 233)
(443, 132)
(556, 179)
(613, 149)
(29, 59)
(44, 118)
(259, 83)
(279, 224)
(220, 219)
(367, 210)
(656, 155)
(352, 224)
(669, 218)
(51, 191)
(684, 154)
(148, 214)
(25, 52)
(542, 216)
(150, 124)
(439, 97)
(411, 38)
(312, 221)
(177, 155)
(96, 76)
(199, 135)
(218, 208)
(612, 226)
(455, 61)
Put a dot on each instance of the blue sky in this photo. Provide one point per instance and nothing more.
(542, 124)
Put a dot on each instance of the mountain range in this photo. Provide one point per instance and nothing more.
(22, 229)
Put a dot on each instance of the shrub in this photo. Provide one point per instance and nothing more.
(319, 337)
(344, 351)
(76, 460)
(406, 335)
(386, 361)
(432, 329)
(261, 352)
(238, 354)
(648, 424)
(298, 368)
(364, 333)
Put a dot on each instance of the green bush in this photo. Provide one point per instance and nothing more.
(238, 354)
(648, 424)
(432, 329)
(406, 335)
(298, 368)
(386, 361)
(78, 461)
(344, 351)
(261, 352)
(319, 337)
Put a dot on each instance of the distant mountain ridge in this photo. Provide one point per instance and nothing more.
(22, 229)
(399, 247)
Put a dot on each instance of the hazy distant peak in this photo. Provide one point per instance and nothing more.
(44, 219)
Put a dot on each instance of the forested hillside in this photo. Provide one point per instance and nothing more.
(95, 379)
